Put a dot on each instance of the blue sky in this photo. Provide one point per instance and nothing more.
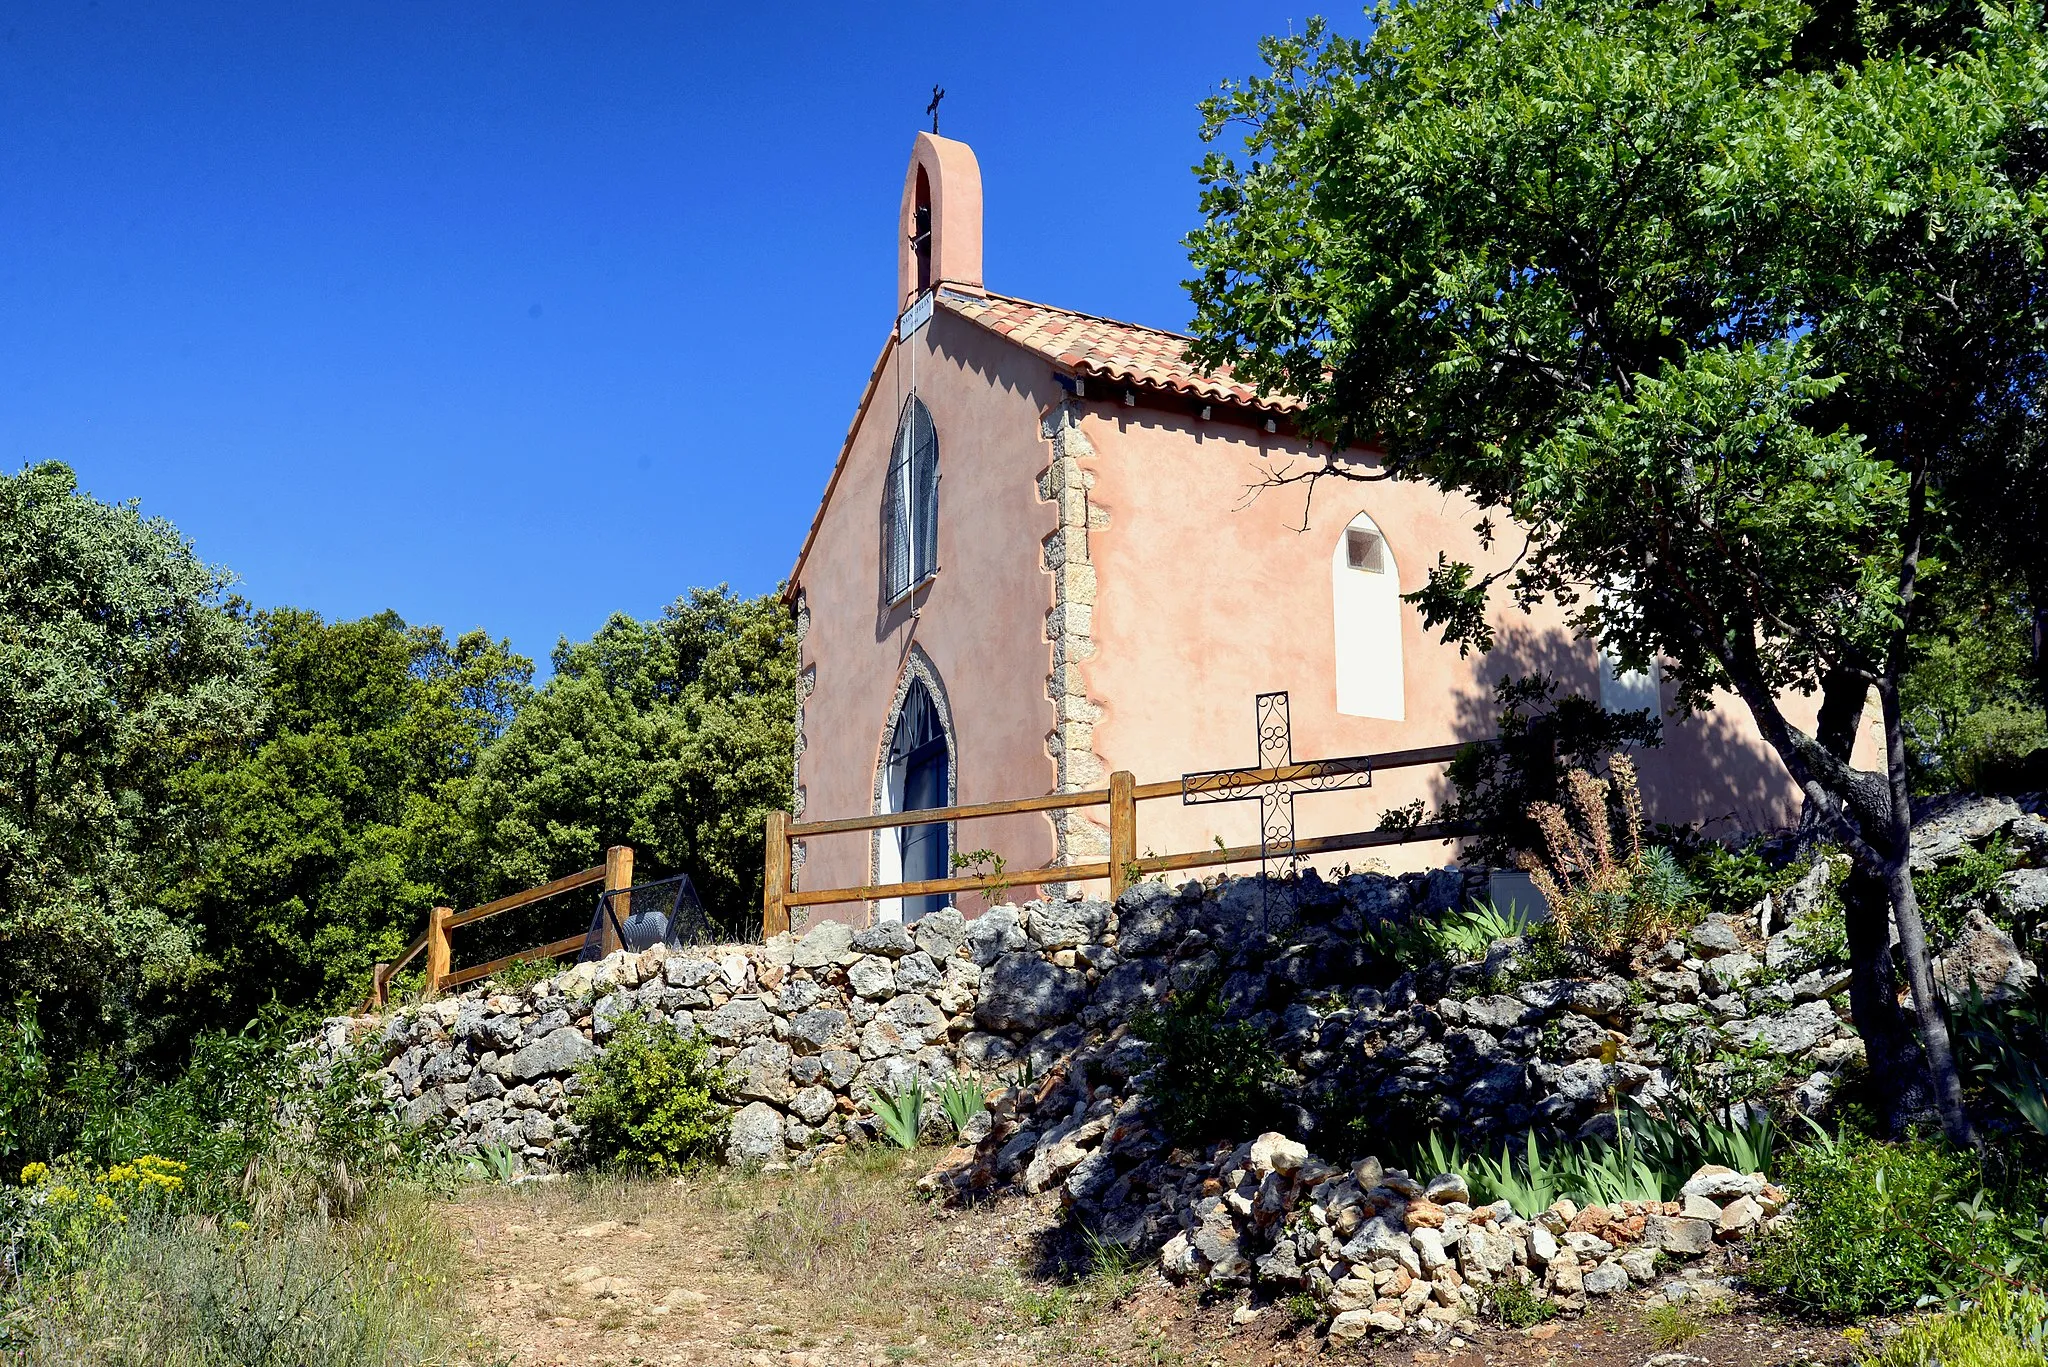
(514, 315)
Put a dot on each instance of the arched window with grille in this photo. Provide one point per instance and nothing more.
(910, 502)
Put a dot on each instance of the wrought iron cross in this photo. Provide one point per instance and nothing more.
(933, 108)
(1276, 780)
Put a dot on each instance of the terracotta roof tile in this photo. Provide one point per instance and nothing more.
(1091, 346)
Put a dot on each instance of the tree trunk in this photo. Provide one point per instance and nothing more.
(1896, 1065)
(1898, 875)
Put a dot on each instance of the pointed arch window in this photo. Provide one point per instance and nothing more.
(910, 502)
(1365, 589)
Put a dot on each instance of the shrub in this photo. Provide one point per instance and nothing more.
(1883, 1228)
(1947, 893)
(1518, 1307)
(1211, 1078)
(1541, 734)
(652, 1099)
(1302, 1310)
(2005, 1328)
(1608, 896)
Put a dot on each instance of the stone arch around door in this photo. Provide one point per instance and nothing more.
(886, 848)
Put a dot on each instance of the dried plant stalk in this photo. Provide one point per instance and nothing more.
(1601, 898)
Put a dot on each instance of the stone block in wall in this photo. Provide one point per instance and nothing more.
(941, 933)
(872, 976)
(742, 1018)
(1066, 925)
(994, 933)
(818, 1028)
(755, 1135)
(1024, 992)
(888, 938)
(823, 944)
(984, 1052)
(559, 1051)
(760, 1072)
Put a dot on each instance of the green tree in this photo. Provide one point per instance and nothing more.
(123, 662)
(1733, 310)
(675, 736)
(1973, 719)
(325, 841)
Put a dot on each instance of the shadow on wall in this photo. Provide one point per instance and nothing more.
(1712, 770)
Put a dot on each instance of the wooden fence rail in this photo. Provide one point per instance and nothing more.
(1122, 868)
(615, 873)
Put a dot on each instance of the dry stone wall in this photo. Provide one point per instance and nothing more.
(807, 1026)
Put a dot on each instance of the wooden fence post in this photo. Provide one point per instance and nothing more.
(1123, 830)
(618, 876)
(775, 875)
(380, 986)
(437, 948)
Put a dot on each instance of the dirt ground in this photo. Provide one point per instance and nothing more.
(850, 1268)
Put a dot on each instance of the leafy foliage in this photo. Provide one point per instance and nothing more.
(1458, 935)
(2005, 1046)
(1518, 1307)
(1973, 715)
(1211, 1077)
(325, 845)
(1948, 892)
(673, 736)
(2002, 1327)
(1883, 1228)
(652, 1099)
(201, 1293)
(122, 663)
(1544, 256)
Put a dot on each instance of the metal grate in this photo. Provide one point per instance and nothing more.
(663, 912)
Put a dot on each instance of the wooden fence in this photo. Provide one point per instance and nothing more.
(1122, 868)
(615, 873)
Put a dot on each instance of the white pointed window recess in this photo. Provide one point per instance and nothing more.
(1366, 592)
(1631, 690)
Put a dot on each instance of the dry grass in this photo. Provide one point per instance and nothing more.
(848, 1263)
(188, 1292)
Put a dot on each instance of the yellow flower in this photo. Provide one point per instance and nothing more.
(34, 1173)
(61, 1194)
(1855, 1333)
(240, 1226)
(103, 1202)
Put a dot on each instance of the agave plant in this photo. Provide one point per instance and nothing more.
(2003, 1042)
(962, 1099)
(901, 1112)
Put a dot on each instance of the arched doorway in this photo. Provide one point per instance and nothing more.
(917, 774)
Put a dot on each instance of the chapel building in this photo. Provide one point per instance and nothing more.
(1038, 560)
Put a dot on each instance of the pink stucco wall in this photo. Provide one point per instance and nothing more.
(980, 619)
(1208, 595)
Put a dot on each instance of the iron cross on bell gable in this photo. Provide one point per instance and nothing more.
(1276, 780)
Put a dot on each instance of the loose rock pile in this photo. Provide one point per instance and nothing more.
(1381, 1250)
